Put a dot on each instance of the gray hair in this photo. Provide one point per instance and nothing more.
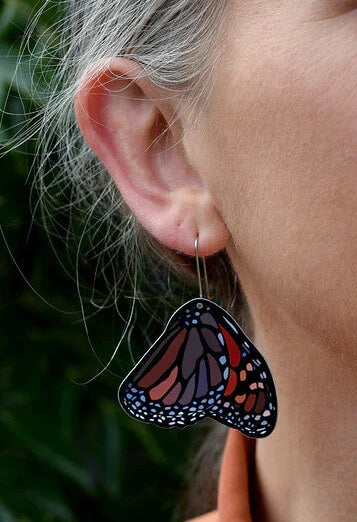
(176, 43)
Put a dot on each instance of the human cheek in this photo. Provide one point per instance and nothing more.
(286, 146)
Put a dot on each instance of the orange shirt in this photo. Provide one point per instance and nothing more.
(233, 489)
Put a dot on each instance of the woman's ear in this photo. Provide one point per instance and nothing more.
(132, 127)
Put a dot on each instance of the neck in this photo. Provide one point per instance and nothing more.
(305, 471)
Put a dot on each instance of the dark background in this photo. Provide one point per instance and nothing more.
(67, 452)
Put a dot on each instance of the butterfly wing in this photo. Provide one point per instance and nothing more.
(182, 375)
(202, 365)
(248, 402)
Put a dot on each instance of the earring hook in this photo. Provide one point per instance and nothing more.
(199, 271)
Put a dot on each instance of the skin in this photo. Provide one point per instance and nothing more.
(269, 173)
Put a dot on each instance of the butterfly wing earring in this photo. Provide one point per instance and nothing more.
(202, 365)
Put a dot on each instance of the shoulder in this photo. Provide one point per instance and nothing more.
(212, 516)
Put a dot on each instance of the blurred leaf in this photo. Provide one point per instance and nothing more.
(111, 449)
(7, 15)
(44, 453)
(5, 515)
(69, 450)
(22, 81)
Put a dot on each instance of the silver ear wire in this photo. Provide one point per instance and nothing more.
(199, 271)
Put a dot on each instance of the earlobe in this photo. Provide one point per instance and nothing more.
(130, 125)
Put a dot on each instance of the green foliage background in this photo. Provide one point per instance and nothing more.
(67, 452)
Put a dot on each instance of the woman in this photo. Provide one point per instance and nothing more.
(236, 121)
